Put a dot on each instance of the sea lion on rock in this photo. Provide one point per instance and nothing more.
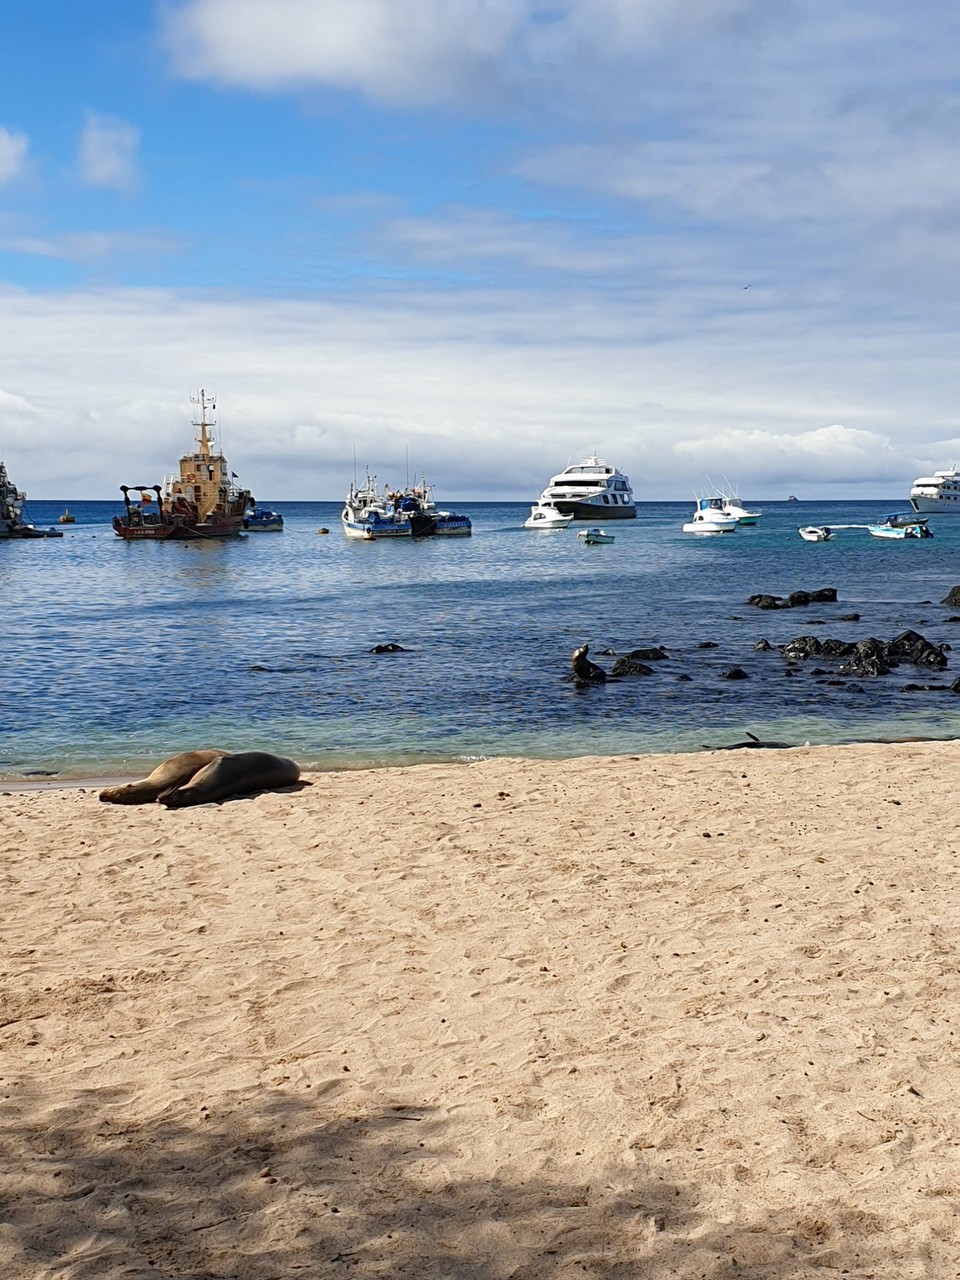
(585, 671)
(203, 777)
(172, 773)
(233, 775)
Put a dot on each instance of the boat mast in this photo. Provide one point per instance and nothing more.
(204, 439)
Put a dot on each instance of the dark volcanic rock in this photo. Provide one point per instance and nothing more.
(735, 673)
(763, 646)
(870, 657)
(952, 598)
(796, 599)
(653, 654)
(630, 667)
(801, 647)
(392, 647)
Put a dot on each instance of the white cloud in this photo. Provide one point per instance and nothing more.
(108, 152)
(13, 153)
(834, 455)
(93, 247)
(490, 392)
(421, 51)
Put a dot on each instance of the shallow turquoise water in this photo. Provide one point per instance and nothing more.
(119, 654)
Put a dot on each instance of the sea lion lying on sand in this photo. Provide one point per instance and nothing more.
(203, 777)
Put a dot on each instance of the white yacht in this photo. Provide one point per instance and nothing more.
(591, 490)
(939, 492)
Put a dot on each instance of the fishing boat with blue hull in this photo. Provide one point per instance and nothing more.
(900, 525)
(370, 513)
(263, 520)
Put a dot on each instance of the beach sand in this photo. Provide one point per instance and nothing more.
(687, 1016)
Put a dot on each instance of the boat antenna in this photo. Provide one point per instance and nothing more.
(406, 451)
(354, 464)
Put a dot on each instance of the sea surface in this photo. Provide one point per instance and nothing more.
(116, 655)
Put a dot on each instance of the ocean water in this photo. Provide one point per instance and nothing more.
(116, 655)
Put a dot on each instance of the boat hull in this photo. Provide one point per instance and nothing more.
(705, 527)
(176, 532)
(936, 506)
(264, 522)
(591, 511)
(899, 533)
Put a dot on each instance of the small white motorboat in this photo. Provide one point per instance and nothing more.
(710, 517)
(595, 536)
(816, 533)
(544, 515)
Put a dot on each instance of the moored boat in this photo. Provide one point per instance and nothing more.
(263, 520)
(545, 516)
(816, 533)
(201, 502)
(68, 517)
(939, 492)
(591, 490)
(709, 517)
(900, 525)
(594, 537)
(12, 522)
(370, 513)
(732, 506)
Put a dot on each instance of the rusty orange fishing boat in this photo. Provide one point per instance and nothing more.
(203, 501)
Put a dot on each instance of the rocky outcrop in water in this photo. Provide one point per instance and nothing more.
(629, 666)
(796, 599)
(870, 657)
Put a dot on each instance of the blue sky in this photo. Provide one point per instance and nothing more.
(491, 236)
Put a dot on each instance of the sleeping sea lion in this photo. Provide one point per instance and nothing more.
(233, 775)
(172, 773)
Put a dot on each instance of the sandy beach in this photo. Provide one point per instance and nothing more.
(686, 1016)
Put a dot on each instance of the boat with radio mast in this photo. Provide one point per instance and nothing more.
(202, 501)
